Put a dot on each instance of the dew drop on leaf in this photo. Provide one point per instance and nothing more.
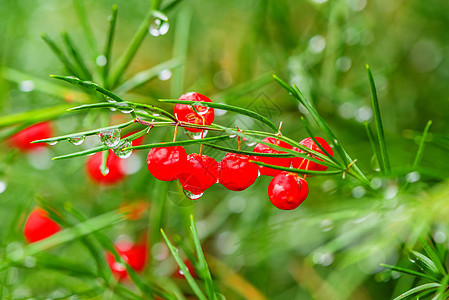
(110, 138)
(77, 140)
(52, 143)
(158, 26)
(124, 107)
(124, 153)
(192, 196)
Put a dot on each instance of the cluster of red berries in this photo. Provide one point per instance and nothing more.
(198, 172)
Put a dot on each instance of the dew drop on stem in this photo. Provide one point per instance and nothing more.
(52, 143)
(192, 196)
(124, 153)
(110, 138)
(158, 26)
(77, 140)
(124, 107)
(196, 135)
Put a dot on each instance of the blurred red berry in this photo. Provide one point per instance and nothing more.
(278, 161)
(114, 166)
(179, 274)
(236, 173)
(22, 140)
(133, 254)
(287, 190)
(185, 113)
(303, 163)
(39, 226)
(165, 163)
(201, 172)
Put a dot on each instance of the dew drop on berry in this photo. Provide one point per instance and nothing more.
(77, 140)
(158, 26)
(124, 107)
(196, 135)
(124, 153)
(110, 138)
(192, 196)
(52, 143)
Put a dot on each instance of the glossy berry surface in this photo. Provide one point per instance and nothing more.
(114, 164)
(166, 163)
(287, 190)
(39, 226)
(236, 173)
(185, 113)
(179, 274)
(23, 139)
(133, 254)
(305, 164)
(278, 161)
(201, 172)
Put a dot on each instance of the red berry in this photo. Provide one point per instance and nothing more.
(185, 113)
(287, 190)
(201, 172)
(114, 166)
(236, 173)
(133, 254)
(165, 163)
(305, 164)
(178, 273)
(278, 161)
(39, 226)
(23, 139)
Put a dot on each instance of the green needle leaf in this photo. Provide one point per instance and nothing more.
(83, 70)
(380, 128)
(180, 143)
(81, 153)
(418, 289)
(226, 107)
(210, 289)
(182, 266)
(109, 42)
(62, 57)
(297, 171)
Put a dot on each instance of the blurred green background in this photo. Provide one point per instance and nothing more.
(332, 245)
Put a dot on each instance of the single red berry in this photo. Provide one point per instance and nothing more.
(305, 164)
(185, 113)
(114, 168)
(165, 163)
(133, 254)
(236, 173)
(39, 226)
(23, 139)
(278, 161)
(287, 190)
(201, 172)
(179, 274)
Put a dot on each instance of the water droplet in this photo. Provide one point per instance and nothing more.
(15, 251)
(192, 196)
(3, 186)
(112, 109)
(104, 171)
(29, 262)
(413, 177)
(124, 107)
(52, 143)
(155, 115)
(124, 153)
(358, 192)
(258, 173)
(317, 44)
(232, 136)
(110, 100)
(202, 110)
(196, 135)
(164, 75)
(101, 60)
(26, 86)
(250, 143)
(110, 138)
(77, 140)
(327, 225)
(158, 26)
